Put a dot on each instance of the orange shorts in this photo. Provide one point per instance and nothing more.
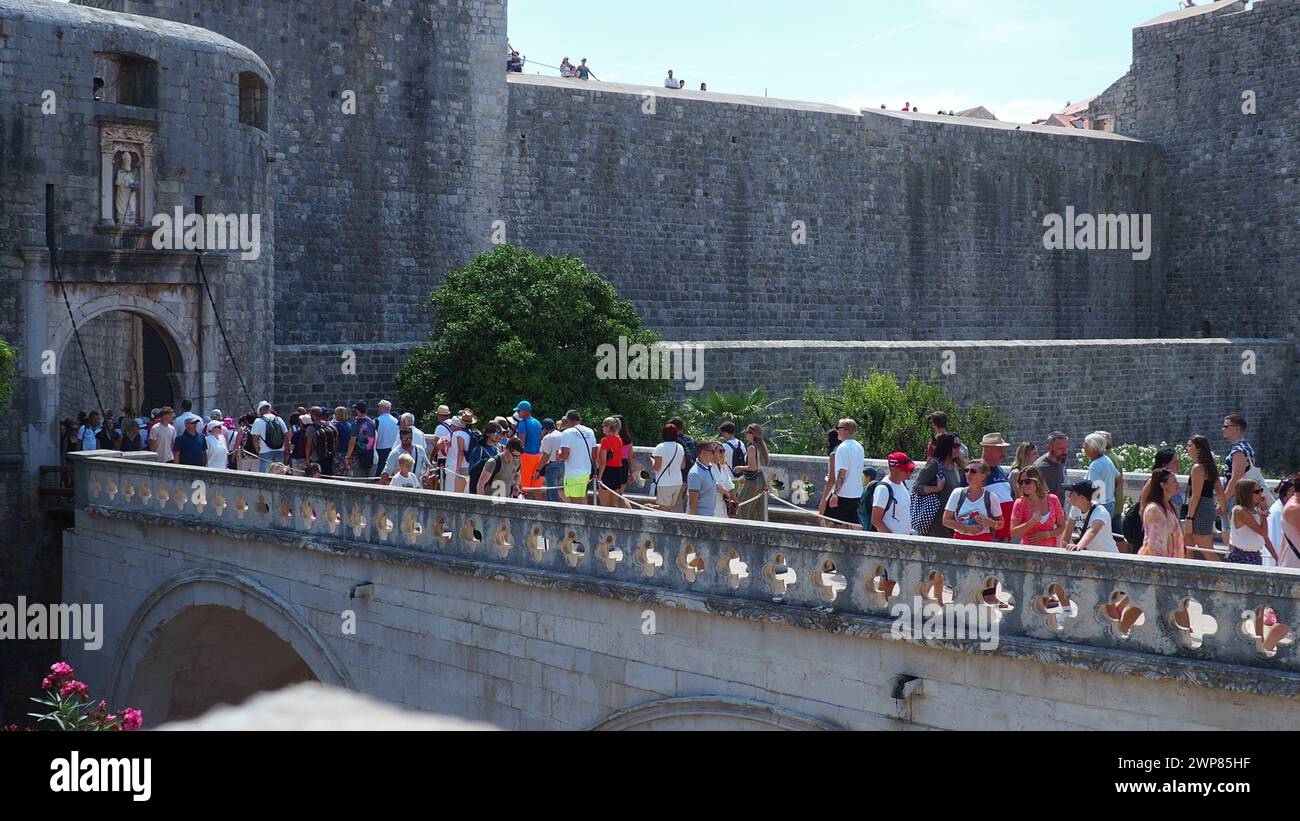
(528, 463)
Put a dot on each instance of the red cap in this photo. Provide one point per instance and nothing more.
(898, 459)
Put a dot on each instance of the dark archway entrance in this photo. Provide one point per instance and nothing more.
(135, 364)
(210, 655)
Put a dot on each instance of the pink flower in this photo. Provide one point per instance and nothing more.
(47, 683)
(74, 687)
(132, 719)
(61, 670)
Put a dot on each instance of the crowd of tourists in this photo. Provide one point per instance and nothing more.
(951, 495)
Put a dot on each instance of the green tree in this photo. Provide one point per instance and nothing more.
(511, 325)
(7, 358)
(890, 416)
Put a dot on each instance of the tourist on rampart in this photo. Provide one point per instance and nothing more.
(163, 436)
(1052, 464)
(578, 452)
(566, 68)
(458, 465)
(361, 451)
(937, 481)
(191, 446)
(218, 449)
(843, 491)
(994, 451)
(385, 432)
(1037, 517)
(88, 434)
(298, 440)
(611, 469)
(1206, 498)
(529, 431)
(1092, 522)
(1248, 537)
(735, 447)
(891, 503)
(1103, 474)
(130, 441)
(728, 506)
(187, 413)
(499, 474)
(346, 433)
(670, 82)
(1285, 490)
(751, 480)
(701, 486)
(550, 466)
(406, 444)
(1238, 464)
(1289, 550)
(974, 513)
(665, 463)
(583, 72)
(938, 427)
(1162, 532)
(1026, 456)
(404, 476)
(407, 420)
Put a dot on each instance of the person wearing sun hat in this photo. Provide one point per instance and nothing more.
(218, 445)
(998, 482)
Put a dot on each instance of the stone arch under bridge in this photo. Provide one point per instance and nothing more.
(212, 636)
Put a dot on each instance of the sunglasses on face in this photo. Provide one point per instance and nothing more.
(1024, 482)
(974, 471)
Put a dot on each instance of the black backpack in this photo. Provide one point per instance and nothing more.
(1132, 528)
(688, 446)
(325, 441)
(274, 433)
(867, 503)
(476, 472)
(475, 452)
(738, 455)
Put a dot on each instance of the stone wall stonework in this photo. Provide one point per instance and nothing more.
(917, 226)
(1216, 91)
(313, 374)
(1141, 390)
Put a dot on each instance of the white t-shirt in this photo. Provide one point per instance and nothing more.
(259, 430)
(580, 440)
(161, 440)
(421, 457)
(456, 460)
(672, 474)
(1274, 534)
(217, 449)
(898, 516)
(849, 456)
(409, 480)
(551, 445)
(965, 509)
(1104, 542)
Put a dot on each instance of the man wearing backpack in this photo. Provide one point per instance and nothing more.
(361, 450)
(322, 441)
(891, 499)
(688, 444)
(735, 447)
(268, 432)
(498, 475)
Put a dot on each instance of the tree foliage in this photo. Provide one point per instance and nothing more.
(890, 416)
(703, 414)
(512, 325)
(8, 356)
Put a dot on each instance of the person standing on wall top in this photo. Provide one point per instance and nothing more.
(843, 491)
(386, 427)
(666, 468)
(1249, 537)
(973, 513)
(1103, 474)
(88, 434)
(550, 468)
(751, 481)
(1205, 497)
(218, 450)
(1239, 462)
(701, 485)
(566, 68)
(998, 482)
(578, 452)
(584, 73)
(163, 436)
(937, 481)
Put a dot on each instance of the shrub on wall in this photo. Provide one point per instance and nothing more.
(890, 416)
(512, 325)
(7, 358)
(703, 414)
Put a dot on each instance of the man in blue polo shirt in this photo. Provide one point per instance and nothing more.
(530, 431)
(191, 447)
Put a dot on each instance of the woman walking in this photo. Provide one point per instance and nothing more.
(932, 487)
(1205, 500)
(751, 482)
(973, 514)
(1162, 532)
(1248, 536)
(1036, 517)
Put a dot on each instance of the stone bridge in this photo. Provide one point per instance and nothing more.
(218, 584)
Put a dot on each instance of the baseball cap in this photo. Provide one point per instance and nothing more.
(548, 424)
(898, 459)
(1082, 487)
(524, 405)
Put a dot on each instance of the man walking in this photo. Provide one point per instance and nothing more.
(386, 428)
(845, 491)
(269, 432)
(578, 453)
(891, 506)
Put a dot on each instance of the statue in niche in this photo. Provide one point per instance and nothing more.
(126, 202)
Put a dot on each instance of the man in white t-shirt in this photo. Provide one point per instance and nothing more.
(666, 469)
(1091, 528)
(844, 487)
(891, 507)
(578, 452)
(266, 455)
(162, 436)
(550, 469)
(417, 436)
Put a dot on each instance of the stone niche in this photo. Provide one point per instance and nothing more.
(127, 168)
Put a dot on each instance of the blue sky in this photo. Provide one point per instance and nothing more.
(1023, 59)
